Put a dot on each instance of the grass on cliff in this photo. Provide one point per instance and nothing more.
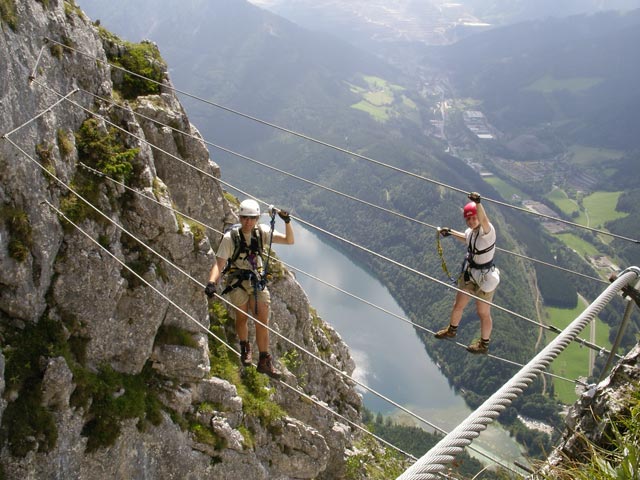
(111, 397)
(144, 67)
(374, 462)
(618, 458)
(107, 396)
(103, 150)
(253, 387)
(27, 424)
(18, 225)
(8, 13)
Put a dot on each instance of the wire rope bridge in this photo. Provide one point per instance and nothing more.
(434, 462)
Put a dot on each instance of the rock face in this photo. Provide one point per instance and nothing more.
(590, 420)
(105, 366)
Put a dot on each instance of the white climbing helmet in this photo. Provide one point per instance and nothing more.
(249, 208)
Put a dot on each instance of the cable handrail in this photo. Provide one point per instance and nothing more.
(313, 277)
(340, 149)
(324, 187)
(307, 223)
(342, 239)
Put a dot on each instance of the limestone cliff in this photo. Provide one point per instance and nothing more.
(592, 421)
(100, 376)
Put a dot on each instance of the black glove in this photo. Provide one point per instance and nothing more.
(210, 289)
(444, 231)
(284, 215)
(474, 197)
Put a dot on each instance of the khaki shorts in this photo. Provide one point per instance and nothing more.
(240, 296)
(472, 287)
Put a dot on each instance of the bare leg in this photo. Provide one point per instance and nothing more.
(486, 323)
(262, 333)
(461, 301)
(241, 322)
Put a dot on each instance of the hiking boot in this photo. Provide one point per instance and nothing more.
(478, 346)
(265, 365)
(446, 332)
(246, 359)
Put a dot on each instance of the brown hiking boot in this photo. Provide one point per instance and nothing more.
(478, 346)
(265, 365)
(446, 332)
(246, 359)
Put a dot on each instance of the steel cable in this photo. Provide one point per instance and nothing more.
(340, 149)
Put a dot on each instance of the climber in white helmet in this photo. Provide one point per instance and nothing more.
(241, 260)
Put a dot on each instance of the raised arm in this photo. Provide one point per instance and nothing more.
(483, 218)
(287, 238)
(482, 214)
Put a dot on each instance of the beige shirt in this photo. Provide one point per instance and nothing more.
(244, 262)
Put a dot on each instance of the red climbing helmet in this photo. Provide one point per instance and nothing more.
(470, 209)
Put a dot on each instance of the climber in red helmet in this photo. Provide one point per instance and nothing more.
(478, 276)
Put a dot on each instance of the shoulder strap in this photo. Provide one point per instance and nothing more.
(239, 244)
(473, 250)
(256, 241)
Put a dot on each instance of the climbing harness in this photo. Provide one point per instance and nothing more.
(489, 275)
(485, 275)
(259, 273)
(472, 251)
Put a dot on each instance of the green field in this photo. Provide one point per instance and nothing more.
(564, 203)
(382, 100)
(589, 156)
(601, 207)
(507, 191)
(576, 243)
(549, 84)
(573, 361)
(598, 208)
(380, 113)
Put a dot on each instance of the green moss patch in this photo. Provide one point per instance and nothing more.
(112, 397)
(172, 335)
(108, 397)
(253, 387)
(104, 150)
(8, 13)
(26, 424)
(20, 232)
(145, 68)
